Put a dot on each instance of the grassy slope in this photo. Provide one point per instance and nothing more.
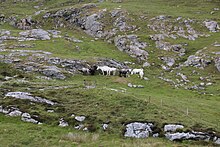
(17, 133)
(118, 107)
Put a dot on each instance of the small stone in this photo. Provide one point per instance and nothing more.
(80, 118)
(63, 123)
(50, 111)
(78, 127)
(145, 78)
(85, 129)
(130, 85)
(146, 64)
(202, 84)
(104, 126)
(156, 135)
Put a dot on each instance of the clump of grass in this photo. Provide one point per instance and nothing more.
(80, 138)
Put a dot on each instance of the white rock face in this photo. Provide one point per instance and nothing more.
(188, 136)
(217, 140)
(80, 118)
(179, 136)
(27, 118)
(53, 72)
(131, 45)
(172, 127)
(5, 111)
(28, 96)
(138, 130)
(212, 26)
(36, 33)
(15, 113)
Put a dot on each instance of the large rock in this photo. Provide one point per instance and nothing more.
(92, 26)
(188, 136)
(172, 127)
(4, 110)
(131, 45)
(27, 118)
(15, 113)
(53, 72)
(199, 61)
(138, 130)
(28, 96)
(212, 26)
(216, 140)
(36, 33)
(179, 136)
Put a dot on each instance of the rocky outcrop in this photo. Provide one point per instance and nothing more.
(172, 127)
(38, 34)
(198, 61)
(15, 112)
(53, 72)
(168, 27)
(138, 130)
(120, 20)
(193, 135)
(177, 48)
(27, 118)
(168, 61)
(132, 46)
(28, 96)
(212, 26)
(92, 26)
(170, 131)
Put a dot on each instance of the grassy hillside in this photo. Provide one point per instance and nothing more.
(112, 101)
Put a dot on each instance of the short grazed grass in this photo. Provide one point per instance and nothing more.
(157, 102)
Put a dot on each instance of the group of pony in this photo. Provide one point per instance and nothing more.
(108, 71)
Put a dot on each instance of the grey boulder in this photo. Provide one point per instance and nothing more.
(27, 118)
(138, 130)
(53, 72)
(36, 33)
(80, 118)
(15, 113)
(212, 26)
(172, 127)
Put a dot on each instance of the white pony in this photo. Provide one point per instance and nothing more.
(113, 70)
(107, 69)
(138, 71)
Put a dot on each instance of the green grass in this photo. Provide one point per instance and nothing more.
(158, 101)
(17, 133)
(198, 9)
